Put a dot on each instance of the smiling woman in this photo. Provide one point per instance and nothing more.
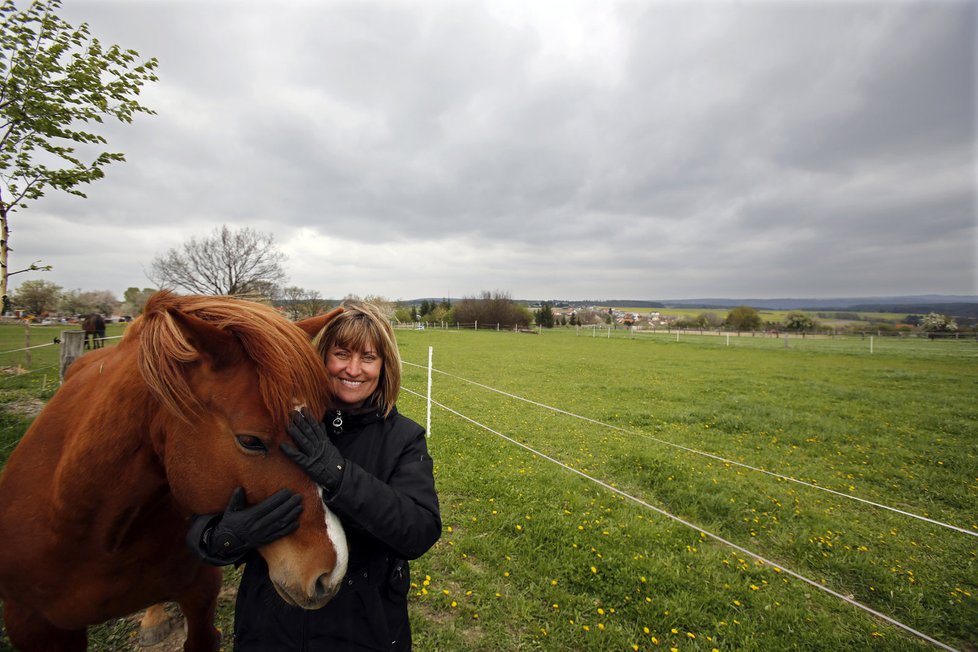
(373, 471)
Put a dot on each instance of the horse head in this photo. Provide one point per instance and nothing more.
(227, 373)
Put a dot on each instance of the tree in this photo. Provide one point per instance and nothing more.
(134, 299)
(545, 315)
(37, 297)
(937, 323)
(228, 262)
(56, 79)
(743, 318)
(799, 321)
(301, 303)
(492, 308)
(76, 302)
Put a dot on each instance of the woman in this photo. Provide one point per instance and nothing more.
(376, 475)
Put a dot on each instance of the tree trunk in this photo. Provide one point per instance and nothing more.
(4, 236)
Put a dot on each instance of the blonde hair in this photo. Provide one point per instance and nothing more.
(359, 326)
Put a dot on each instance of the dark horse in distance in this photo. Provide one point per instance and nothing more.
(95, 501)
(94, 327)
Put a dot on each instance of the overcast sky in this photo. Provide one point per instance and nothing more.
(640, 150)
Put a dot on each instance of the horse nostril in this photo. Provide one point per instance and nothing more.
(324, 589)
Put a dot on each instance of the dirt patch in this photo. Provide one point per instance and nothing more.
(24, 407)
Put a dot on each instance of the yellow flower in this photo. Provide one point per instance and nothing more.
(594, 570)
(645, 630)
(600, 611)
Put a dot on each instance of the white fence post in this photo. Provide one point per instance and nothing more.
(428, 421)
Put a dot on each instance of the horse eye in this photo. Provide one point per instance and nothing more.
(251, 443)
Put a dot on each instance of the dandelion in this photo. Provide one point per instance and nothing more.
(690, 634)
(594, 571)
(646, 631)
(600, 611)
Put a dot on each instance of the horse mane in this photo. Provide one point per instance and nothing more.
(289, 370)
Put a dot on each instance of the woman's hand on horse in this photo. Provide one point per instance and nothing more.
(314, 452)
(242, 528)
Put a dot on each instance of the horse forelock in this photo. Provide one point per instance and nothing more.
(289, 369)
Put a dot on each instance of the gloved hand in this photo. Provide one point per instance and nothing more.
(316, 454)
(243, 528)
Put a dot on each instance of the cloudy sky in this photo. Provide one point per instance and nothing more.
(548, 149)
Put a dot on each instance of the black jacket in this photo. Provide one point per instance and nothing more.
(389, 509)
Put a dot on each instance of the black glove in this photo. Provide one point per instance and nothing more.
(229, 536)
(316, 454)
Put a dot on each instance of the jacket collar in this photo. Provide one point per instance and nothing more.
(340, 421)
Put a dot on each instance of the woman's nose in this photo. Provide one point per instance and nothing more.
(353, 367)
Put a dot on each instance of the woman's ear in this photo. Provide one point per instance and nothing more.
(313, 325)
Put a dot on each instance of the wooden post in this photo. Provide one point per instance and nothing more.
(27, 344)
(72, 343)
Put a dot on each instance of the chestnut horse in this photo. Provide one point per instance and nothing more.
(95, 501)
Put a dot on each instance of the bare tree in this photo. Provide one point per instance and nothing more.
(300, 302)
(233, 262)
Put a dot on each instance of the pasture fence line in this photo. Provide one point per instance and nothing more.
(778, 567)
(710, 455)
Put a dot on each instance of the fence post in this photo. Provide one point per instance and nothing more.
(72, 344)
(27, 344)
(428, 423)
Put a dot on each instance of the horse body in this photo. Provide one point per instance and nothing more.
(94, 327)
(95, 501)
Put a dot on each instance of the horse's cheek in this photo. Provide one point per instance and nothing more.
(199, 480)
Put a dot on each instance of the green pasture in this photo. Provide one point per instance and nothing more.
(537, 557)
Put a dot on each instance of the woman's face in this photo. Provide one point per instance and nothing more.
(353, 375)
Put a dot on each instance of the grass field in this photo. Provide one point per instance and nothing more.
(537, 557)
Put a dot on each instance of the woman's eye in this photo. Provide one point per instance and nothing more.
(251, 443)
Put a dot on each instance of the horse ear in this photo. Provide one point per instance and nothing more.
(313, 325)
(219, 345)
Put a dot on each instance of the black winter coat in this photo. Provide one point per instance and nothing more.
(389, 509)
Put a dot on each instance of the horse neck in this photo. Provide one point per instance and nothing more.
(107, 459)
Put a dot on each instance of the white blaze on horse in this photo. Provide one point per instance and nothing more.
(95, 501)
